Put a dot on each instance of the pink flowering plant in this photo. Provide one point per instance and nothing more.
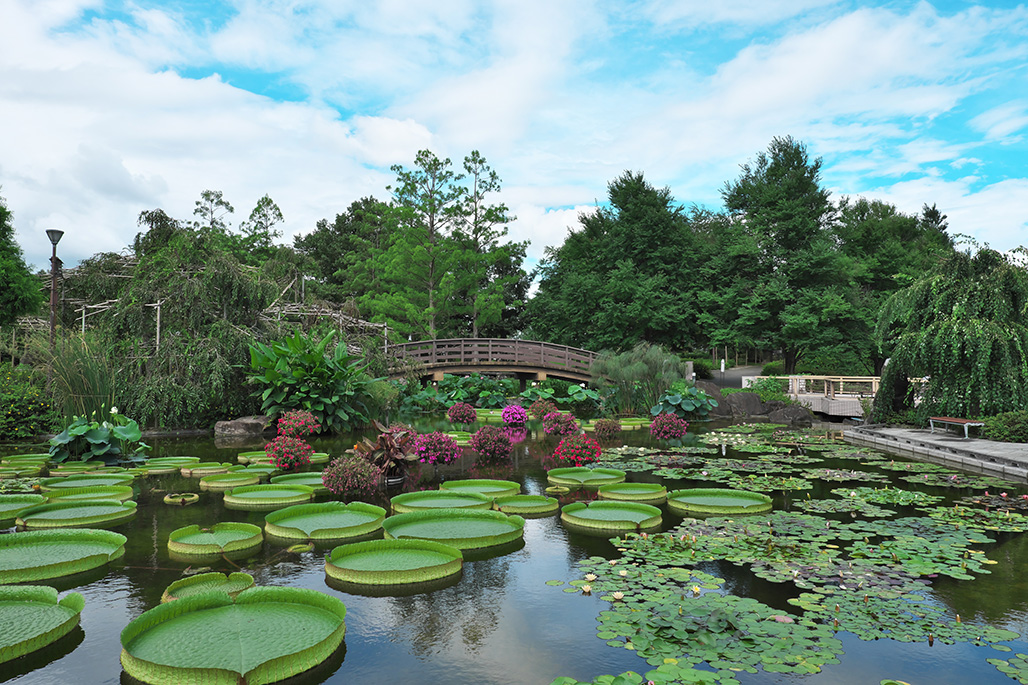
(514, 415)
(559, 423)
(516, 434)
(577, 450)
(668, 427)
(461, 412)
(491, 442)
(541, 407)
(607, 429)
(351, 474)
(288, 453)
(436, 448)
(298, 423)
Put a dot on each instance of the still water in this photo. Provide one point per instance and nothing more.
(500, 622)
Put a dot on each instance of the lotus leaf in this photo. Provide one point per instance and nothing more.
(32, 617)
(439, 499)
(231, 584)
(484, 486)
(41, 554)
(226, 536)
(461, 528)
(181, 499)
(264, 635)
(979, 519)
(838, 506)
(769, 483)
(1016, 668)
(24, 471)
(324, 521)
(205, 468)
(842, 475)
(393, 562)
(610, 515)
(267, 497)
(77, 514)
(254, 457)
(957, 480)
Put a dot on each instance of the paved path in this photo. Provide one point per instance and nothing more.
(1006, 459)
(733, 376)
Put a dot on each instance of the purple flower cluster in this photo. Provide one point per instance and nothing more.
(436, 448)
(559, 423)
(514, 415)
(606, 429)
(461, 412)
(491, 442)
(668, 427)
(351, 473)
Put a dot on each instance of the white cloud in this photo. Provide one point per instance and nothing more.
(1002, 121)
(729, 11)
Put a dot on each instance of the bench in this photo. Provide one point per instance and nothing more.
(950, 421)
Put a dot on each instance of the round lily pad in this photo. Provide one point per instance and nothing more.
(264, 635)
(262, 470)
(609, 515)
(583, 475)
(324, 521)
(484, 486)
(26, 470)
(83, 480)
(32, 618)
(37, 457)
(311, 479)
(121, 493)
(557, 490)
(393, 562)
(256, 457)
(162, 465)
(647, 493)
(460, 528)
(439, 499)
(10, 505)
(181, 499)
(87, 513)
(219, 482)
(717, 501)
(204, 468)
(231, 584)
(226, 536)
(41, 554)
(527, 505)
(319, 458)
(75, 467)
(267, 497)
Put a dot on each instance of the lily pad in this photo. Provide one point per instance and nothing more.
(220, 482)
(439, 499)
(267, 497)
(717, 501)
(84, 480)
(20, 471)
(527, 505)
(647, 493)
(204, 468)
(122, 493)
(584, 476)
(311, 479)
(162, 465)
(393, 562)
(88, 513)
(10, 505)
(32, 618)
(484, 486)
(324, 521)
(264, 635)
(42, 554)
(609, 515)
(460, 528)
(226, 536)
(231, 585)
(254, 457)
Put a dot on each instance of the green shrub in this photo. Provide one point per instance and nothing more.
(632, 382)
(775, 368)
(684, 400)
(770, 390)
(1011, 426)
(25, 406)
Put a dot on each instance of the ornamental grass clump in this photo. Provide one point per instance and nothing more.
(351, 474)
(461, 412)
(559, 423)
(541, 408)
(668, 427)
(514, 415)
(436, 448)
(577, 450)
(298, 423)
(288, 453)
(491, 442)
(607, 429)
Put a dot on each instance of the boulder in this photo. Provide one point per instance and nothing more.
(745, 404)
(792, 414)
(242, 427)
(722, 410)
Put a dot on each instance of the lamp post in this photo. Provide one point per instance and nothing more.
(55, 237)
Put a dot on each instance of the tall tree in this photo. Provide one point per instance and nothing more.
(259, 232)
(19, 289)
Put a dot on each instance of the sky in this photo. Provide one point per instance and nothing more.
(112, 107)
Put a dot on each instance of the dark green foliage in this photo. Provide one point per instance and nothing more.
(19, 289)
(110, 437)
(1009, 426)
(684, 400)
(26, 409)
(632, 382)
(301, 372)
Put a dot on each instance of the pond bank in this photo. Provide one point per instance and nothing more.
(1006, 459)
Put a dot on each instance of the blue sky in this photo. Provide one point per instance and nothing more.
(111, 107)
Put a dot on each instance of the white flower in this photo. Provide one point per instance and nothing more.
(587, 589)
(590, 577)
(114, 410)
(618, 595)
(622, 572)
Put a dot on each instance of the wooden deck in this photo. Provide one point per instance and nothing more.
(493, 355)
(830, 395)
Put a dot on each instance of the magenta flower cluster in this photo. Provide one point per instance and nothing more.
(541, 407)
(559, 423)
(491, 442)
(287, 452)
(351, 473)
(514, 415)
(607, 429)
(577, 449)
(461, 412)
(436, 448)
(668, 427)
(297, 423)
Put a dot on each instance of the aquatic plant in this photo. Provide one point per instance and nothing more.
(461, 412)
(668, 426)
(491, 442)
(435, 448)
(514, 414)
(560, 423)
(577, 449)
(298, 423)
(289, 453)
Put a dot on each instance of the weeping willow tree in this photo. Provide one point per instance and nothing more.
(963, 329)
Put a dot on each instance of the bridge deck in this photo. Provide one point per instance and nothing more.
(495, 355)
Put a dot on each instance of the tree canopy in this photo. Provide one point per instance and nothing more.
(19, 289)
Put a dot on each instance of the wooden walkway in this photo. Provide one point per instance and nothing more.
(829, 395)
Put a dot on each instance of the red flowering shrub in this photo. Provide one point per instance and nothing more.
(605, 429)
(668, 426)
(577, 450)
(559, 423)
(351, 473)
(491, 442)
(436, 448)
(297, 423)
(541, 408)
(461, 412)
(288, 453)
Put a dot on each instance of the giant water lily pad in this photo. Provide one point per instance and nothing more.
(41, 554)
(231, 584)
(10, 505)
(87, 513)
(311, 479)
(121, 493)
(324, 521)
(717, 501)
(204, 468)
(393, 562)
(439, 499)
(527, 505)
(20, 471)
(32, 617)
(460, 528)
(162, 465)
(226, 536)
(610, 515)
(583, 475)
(84, 480)
(484, 486)
(35, 457)
(647, 493)
(267, 497)
(257, 457)
(219, 482)
(264, 635)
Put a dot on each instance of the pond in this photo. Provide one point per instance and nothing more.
(514, 618)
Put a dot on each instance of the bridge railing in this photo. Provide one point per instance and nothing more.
(829, 386)
(495, 352)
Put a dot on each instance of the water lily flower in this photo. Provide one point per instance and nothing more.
(587, 589)
(696, 589)
(590, 577)
(618, 595)
(1002, 494)
(613, 562)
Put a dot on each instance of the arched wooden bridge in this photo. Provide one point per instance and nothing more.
(526, 359)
